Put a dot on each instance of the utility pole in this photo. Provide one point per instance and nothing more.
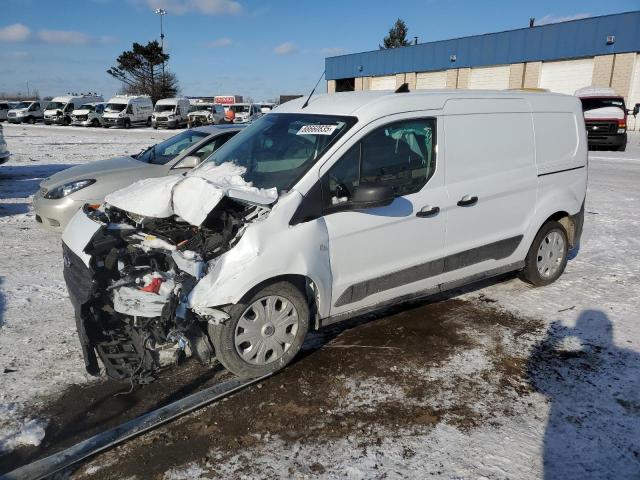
(161, 12)
(27, 89)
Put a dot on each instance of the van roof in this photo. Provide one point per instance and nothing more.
(171, 101)
(380, 103)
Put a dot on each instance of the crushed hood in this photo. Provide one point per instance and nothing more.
(191, 197)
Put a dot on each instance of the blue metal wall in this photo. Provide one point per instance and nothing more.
(574, 39)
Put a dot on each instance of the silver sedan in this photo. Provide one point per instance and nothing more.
(62, 194)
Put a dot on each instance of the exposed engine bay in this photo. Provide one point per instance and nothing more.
(132, 300)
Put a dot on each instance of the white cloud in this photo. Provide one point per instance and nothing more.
(205, 7)
(221, 42)
(287, 48)
(16, 32)
(547, 19)
(332, 52)
(70, 37)
(64, 37)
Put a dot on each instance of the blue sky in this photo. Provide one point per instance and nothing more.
(257, 48)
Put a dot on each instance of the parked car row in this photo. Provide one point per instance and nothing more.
(90, 110)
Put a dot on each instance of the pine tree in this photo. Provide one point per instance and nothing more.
(397, 36)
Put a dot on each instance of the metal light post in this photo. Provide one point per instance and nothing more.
(161, 12)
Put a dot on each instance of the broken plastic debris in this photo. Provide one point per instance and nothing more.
(135, 302)
(189, 262)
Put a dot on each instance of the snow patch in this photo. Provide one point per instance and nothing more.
(16, 432)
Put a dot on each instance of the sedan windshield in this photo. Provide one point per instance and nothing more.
(278, 149)
(115, 107)
(165, 151)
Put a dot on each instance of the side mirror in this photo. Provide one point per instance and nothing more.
(371, 196)
(190, 161)
(636, 109)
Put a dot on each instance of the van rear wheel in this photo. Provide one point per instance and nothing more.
(264, 333)
(547, 257)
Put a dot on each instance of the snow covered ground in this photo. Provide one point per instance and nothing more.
(580, 417)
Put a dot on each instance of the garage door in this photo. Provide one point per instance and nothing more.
(567, 76)
(490, 78)
(431, 80)
(383, 83)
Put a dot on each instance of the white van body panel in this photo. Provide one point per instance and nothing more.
(264, 252)
(518, 189)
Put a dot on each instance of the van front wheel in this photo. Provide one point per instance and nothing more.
(547, 257)
(264, 333)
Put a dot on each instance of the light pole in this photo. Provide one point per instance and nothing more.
(161, 12)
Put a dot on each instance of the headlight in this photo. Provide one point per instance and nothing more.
(67, 189)
(121, 114)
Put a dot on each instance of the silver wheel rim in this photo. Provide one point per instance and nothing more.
(550, 254)
(266, 330)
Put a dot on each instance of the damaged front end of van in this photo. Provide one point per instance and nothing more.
(132, 264)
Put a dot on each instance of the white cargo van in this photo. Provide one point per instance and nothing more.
(316, 213)
(29, 111)
(171, 113)
(60, 109)
(127, 111)
(88, 115)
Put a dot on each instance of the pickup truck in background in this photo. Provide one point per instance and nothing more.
(605, 117)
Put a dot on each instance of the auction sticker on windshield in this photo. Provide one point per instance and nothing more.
(317, 130)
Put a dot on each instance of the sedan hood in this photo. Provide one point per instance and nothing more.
(96, 169)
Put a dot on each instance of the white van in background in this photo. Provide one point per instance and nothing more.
(59, 109)
(88, 115)
(245, 112)
(171, 113)
(29, 111)
(127, 111)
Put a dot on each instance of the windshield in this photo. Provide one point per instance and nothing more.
(278, 149)
(593, 103)
(164, 108)
(239, 108)
(89, 107)
(115, 107)
(55, 106)
(165, 151)
(23, 105)
(199, 107)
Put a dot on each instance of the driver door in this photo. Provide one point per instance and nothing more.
(381, 253)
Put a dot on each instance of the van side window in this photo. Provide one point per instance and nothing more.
(399, 154)
(130, 109)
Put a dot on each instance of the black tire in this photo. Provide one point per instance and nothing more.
(105, 126)
(223, 335)
(95, 123)
(31, 120)
(127, 123)
(66, 121)
(149, 122)
(530, 273)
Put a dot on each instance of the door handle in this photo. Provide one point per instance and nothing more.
(467, 201)
(428, 211)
